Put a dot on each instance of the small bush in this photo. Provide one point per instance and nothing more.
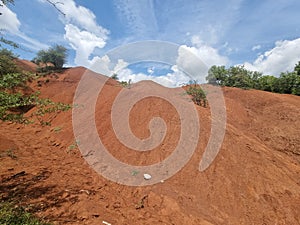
(10, 215)
(114, 76)
(198, 95)
(14, 101)
(9, 153)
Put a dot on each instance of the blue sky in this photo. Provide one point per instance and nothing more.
(262, 35)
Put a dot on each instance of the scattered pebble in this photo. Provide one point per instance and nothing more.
(85, 191)
(104, 222)
(147, 176)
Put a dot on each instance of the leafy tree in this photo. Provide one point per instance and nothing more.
(297, 68)
(57, 55)
(255, 76)
(296, 87)
(217, 75)
(289, 83)
(239, 77)
(267, 83)
(235, 76)
(7, 64)
(8, 42)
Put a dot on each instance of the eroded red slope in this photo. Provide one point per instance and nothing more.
(253, 180)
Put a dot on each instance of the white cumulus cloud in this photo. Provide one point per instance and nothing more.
(10, 23)
(209, 55)
(104, 65)
(9, 20)
(83, 42)
(281, 58)
(82, 31)
(82, 17)
(174, 79)
(198, 58)
(192, 63)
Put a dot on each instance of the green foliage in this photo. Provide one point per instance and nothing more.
(73, 146)
(126, 84)
(289, 83)
(235, 76)
(13, 102)
(115, 76)
(46, 106)
(198, 95)
(297, 68)
(46, 70)
(238, 76)
(11, 105)
(217, 75)
(267, 83)
(255, 77)
(57, 55)
(10, 215)
(14, 105)
(13, 80)
(9, 153)
(9, 42)
(7, 65)
(57, 129)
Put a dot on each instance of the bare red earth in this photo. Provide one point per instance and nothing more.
(255, 179)
(26, 65)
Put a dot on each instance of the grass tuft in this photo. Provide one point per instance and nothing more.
(16, 215)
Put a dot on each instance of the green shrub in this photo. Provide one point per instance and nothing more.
(114, 76)
(198, 95)
(14, 102)
(7, 64)
(10, 215)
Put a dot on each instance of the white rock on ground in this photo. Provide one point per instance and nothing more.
(147, 176)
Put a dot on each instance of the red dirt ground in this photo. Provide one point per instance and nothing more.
(26, 65)
(255, 178)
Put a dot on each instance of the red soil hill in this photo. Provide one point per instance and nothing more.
(253, 180)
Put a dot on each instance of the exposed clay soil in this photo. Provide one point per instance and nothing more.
(26, 65)
(255, 178)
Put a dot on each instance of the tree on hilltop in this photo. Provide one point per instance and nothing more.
(57, 55)
(297, 68)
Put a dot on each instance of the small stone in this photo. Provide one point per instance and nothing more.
(147, 176)
(65, 195)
